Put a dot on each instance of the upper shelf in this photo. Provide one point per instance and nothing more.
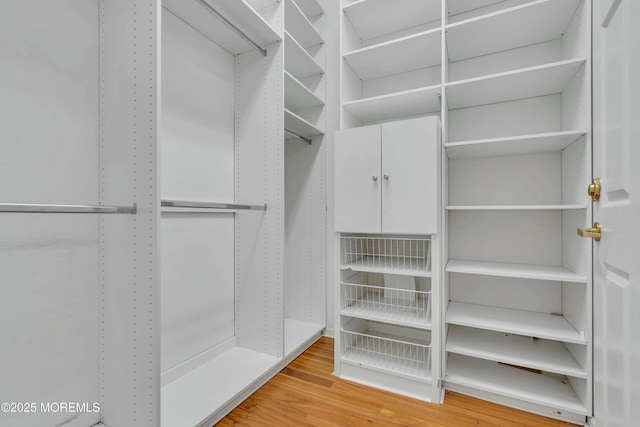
(528, 82)
(455, 7)
(237, 12)
(297, 60)
(522, 271)
(398, 56)
(396, 105)
(373, 18)
(522, 25)
(513, 145)
(297, 96)
(299, 26)
(310, 8)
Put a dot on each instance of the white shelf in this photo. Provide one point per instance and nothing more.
(549, 356)
(455, 7)
(548, 390)
(526, 323)
(373, 264)
(299, 26)
(297, 60)
(528, 82)
(297, 96)
(193, 398)
(396, 105)
(310, 8)
(515, 208)
(297, 124)
(524, 25)
(372, 18)
(514, 145)
(298, 333)
(398, 56)
(522, 271)
(238, 12)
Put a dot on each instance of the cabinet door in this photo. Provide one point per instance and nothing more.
(358, 180)
(410, 176)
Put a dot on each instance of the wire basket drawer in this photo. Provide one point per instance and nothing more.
(387, 347)
(382, 254)
(401, 306)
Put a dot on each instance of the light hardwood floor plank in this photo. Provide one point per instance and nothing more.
(305, 393)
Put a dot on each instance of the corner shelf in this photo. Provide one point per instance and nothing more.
(528, 82)
(297, 60)
(523, 25)
(372, 18)
(519, 322)
(522, 271)
(395, 105)
(297, 96)
(297, 124)
(514, 145)
(239, 12)
(549, 356)
(547, 390)
(299, 26)
(405, 54)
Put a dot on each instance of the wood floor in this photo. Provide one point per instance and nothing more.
(306, 393)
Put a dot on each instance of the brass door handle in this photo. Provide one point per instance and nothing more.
(595, 232)
(594, 189)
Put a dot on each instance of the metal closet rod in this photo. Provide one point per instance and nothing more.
(235, 29)
(67, 209)
(207, 205)
(296, 136)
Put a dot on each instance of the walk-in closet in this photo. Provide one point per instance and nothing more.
(203, 202)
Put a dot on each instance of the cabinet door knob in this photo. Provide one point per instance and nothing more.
(386, 176)
(374, 177)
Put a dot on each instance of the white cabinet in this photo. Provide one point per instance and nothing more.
(387, 177)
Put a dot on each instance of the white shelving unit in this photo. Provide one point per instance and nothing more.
(222, 152)
(305, 193)
(510, 81)
(517, 283)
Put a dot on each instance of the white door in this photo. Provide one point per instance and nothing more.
(410, 176)
(616, 41)
(357, 180)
